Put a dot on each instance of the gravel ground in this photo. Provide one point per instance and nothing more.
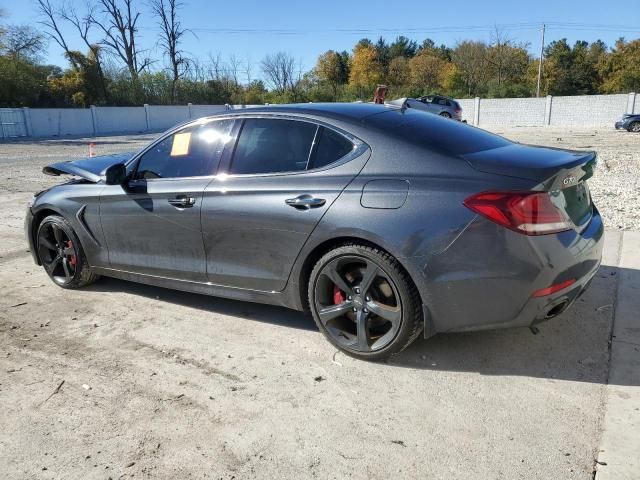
(121, 380)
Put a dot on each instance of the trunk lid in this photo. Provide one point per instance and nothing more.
(91, 169)
(562, 173)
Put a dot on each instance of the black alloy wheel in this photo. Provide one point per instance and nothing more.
(61, 254)
(364, 302)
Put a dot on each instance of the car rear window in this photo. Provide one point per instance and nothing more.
(331, 147)
(436, 133)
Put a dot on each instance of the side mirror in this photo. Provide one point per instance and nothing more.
(116, 174)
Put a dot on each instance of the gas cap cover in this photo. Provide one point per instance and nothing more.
(384, 193)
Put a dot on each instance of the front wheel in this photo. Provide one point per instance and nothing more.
(445, 114)
(634, 127)
(364, 302)
(61, 254)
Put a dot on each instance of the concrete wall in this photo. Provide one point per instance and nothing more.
(574, 111)
(578, 111)
(512, 111)
(110, 120)
(595, 110)
(53, 122)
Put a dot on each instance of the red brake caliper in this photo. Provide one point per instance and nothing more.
(72, 258)
(338, 295)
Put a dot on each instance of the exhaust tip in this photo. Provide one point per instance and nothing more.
(557, 309)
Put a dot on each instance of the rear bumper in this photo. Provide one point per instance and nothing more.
(486, 278)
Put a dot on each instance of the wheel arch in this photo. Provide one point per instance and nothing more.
(322, 248)
(38, 217)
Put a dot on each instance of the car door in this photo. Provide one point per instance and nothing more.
(152, 224)
(258, 213)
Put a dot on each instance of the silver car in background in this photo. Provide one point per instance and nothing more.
(443, 106)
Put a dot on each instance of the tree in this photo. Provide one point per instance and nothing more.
(402, 47)
(427, 72)
(331, 70)
(83, 25)
(119, 24)
(366, 71)
(470, 60)
(50, 18)
(398, 71)
(171, 33)
(621, 69)
(22, 42)
(279, 70)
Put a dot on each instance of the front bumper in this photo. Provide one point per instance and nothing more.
(620, 126)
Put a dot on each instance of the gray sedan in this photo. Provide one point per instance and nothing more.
(386, 223)
(437, 104)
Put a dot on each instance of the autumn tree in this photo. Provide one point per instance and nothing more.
(331, 70)
(366, 71)
(427, 72)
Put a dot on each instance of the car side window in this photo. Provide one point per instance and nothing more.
(330, 146)
(193, 151)
(268, 145)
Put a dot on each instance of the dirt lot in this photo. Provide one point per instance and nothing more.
(121, 380)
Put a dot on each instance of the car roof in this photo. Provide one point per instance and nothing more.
(340, 111)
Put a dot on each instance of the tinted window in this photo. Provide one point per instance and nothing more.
(431, 132)
(191, 152)
(331, 146)
(270, 146)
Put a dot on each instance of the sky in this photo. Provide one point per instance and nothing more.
(251, 29)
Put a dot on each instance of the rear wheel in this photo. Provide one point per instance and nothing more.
(634, 127)
(364, 302)
(61, 254)
(445, 114)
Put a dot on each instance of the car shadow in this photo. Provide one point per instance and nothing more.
(272, 314)
(574, 346)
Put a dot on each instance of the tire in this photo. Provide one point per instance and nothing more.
(634, 127)
(364, 302)
(445, 114)
(61, 254)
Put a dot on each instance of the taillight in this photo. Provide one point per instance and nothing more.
(531, 213)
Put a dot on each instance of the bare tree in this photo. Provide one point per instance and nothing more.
(83, 26)
(50, 16)
(279, 70)
(119, 23)
(248, 69)
(172, 32)
(216, 66)
(22, 42)
(233, 68)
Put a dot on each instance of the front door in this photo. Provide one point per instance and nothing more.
(152, 224)
(283, 177)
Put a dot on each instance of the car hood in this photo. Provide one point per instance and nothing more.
(91, 169)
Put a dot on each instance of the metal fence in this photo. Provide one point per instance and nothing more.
(12, 123)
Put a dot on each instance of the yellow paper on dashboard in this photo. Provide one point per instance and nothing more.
(180, 144)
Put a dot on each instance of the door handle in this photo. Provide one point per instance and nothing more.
(182, 201)
(304, 202)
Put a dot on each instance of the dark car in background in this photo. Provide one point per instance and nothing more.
(437, 104)
(630, 122)
(384, 222)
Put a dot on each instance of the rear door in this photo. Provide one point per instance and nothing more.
(283, 176)
(152, 224)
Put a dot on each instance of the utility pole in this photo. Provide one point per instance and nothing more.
(540, 64)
